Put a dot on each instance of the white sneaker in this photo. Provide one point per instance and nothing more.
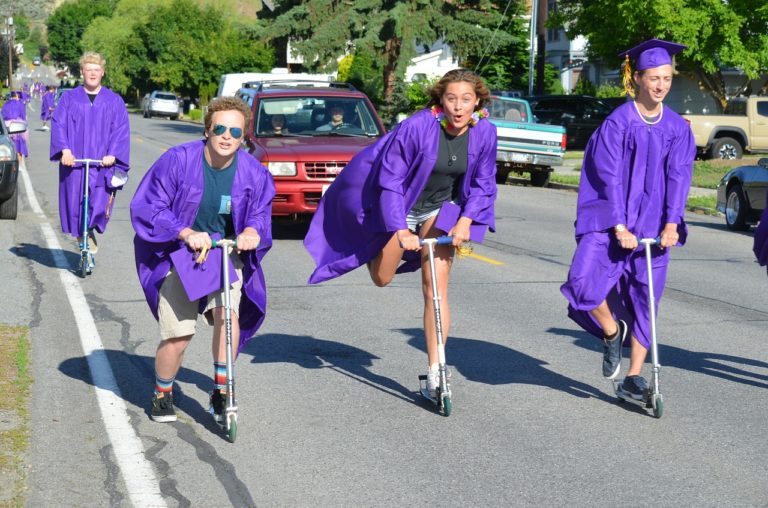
(433, 382)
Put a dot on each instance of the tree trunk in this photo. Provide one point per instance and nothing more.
(392, 49)
(712, 83)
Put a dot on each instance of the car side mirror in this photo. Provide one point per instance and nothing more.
(16, 126)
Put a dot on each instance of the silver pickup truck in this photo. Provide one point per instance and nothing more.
(524, 146)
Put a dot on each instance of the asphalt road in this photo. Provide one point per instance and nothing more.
(329, 414)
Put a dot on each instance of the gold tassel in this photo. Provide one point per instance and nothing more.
(203, 256)
(109, 204)
(626, 77)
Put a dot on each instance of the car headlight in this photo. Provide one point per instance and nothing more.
(6, 153)
(282, 168)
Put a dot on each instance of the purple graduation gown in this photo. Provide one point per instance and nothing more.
(167, 201)
(634, 174)
(15, 109)
(370, 198)
(90, 131)
(46, 108)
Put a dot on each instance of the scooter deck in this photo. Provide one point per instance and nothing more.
(646, 401)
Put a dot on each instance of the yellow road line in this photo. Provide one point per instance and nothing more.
(483, 258)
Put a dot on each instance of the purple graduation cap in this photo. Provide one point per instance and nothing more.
(647, 55)
(653, 53)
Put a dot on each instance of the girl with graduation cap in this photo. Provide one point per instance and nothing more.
(634, 184)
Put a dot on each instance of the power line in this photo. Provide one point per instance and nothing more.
(503, 15)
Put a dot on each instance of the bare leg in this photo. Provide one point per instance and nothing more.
(219, 344)
(382, 268)
(636, 358)
(603, 315)
(169, 356)
(443, 263)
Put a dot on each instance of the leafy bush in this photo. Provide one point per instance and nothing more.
(196, 114)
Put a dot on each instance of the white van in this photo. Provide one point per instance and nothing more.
(229, 84)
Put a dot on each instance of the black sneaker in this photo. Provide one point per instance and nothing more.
(162, 407)
(635, 387)
(217, 403)
(612, 352)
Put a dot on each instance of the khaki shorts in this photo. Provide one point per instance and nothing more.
(177, 316)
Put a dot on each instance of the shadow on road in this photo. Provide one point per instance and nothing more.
(712, 364)
(311, 353)
(45, 256)
(135, 377)
(188, 128)
(493, 364)
(285, 229)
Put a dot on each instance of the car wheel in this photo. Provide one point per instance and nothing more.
(540, 178)
(501, 176)
(175, 117)
(9, 206)
(726, 148)
(736, 209)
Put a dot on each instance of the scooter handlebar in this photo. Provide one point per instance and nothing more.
(440, 240)
(222, 243)
(87, 161)
(651, 241)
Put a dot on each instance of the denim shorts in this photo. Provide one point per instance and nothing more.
(415, 221)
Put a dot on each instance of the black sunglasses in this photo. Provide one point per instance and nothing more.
(219, 129)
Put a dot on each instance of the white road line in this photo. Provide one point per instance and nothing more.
(140, 481)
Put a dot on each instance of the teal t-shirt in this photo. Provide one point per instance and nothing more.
(215, 212)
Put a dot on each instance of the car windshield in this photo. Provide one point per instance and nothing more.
(314, 115)
(165, 96)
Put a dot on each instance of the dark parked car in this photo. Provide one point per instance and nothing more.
(741, 195)
(581, 115)
(9, 169)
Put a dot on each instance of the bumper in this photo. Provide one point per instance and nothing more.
(297, 197)
(529, 158)
(163, 110)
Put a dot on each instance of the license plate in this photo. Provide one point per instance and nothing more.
(521, 157)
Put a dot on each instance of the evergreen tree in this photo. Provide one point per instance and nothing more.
(323, 30)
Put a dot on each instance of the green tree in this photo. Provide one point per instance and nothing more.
(68, 23)
(718, 34)
(503, 62)
(322, 30)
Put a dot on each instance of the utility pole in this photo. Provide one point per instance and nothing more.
(9, 36)
(532, 55)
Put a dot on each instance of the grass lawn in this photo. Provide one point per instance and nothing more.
(707, 174)
(15, 381)
(694, 202)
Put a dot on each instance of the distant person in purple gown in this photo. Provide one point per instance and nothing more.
(90, 122)
(193, 191)
(634, 184)
(47, 106)
(16, 109)
(390, 194)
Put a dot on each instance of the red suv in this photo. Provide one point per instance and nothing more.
(305, 135)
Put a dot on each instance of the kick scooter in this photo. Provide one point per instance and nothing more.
(442, 398)
(652, 397)
(86, 256)
(230, 407)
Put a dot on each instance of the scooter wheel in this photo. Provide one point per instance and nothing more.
(232, 428)
(658, 406)
(447, 405)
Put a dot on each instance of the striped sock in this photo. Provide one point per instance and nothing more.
(220, 375)
(163, 385)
